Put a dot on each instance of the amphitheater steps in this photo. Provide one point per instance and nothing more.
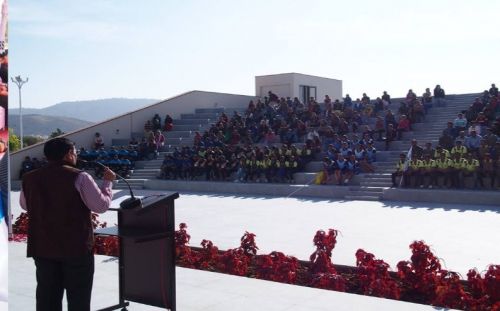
(362, 187)
(134, 184)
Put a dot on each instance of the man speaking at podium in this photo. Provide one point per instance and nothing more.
(59, 199)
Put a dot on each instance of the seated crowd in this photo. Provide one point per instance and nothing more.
(119, 159)
(30, 164)
(153, 140)
(238, 163)
(469, 148)
(323, 127)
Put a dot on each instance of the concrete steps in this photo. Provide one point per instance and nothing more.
(134, 184)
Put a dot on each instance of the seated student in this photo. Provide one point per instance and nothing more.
(133, 144)
(122, 152)
(98, 141)
(272, 168)
(460, 123)
(125, 166)
(493, 90)
(371, 153)
(427, 99)
(167, 167)
(306, 154)
(168, 123)
(471, 168)
(461, 136)
(400, 169)
(365, 165)
(112, 152)
(199, 167)
(446, 141)
(352, 168)
(102, 153)
(444, 168)
(84, 154)
(26, 166)
(403, 126)
(390, 136)
(341, 169)
(187, 167)
(210, 167)
(429, 171)
(379, 127)
(472, 142)
(327, 171)
(291, 166)
(450, 130)
(281, 169)
(414, 171)
(456, 171)
(428, 150)
(486, 170)
(359, 152)
(265, 165)
(221, 168)
(114, 163)
(345, 150)
(439, 150)
(98, 169)
(92, 155)
(459, 149)
(484, 148)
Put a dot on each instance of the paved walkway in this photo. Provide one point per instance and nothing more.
(463, 236)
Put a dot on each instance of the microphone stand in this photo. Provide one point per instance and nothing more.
(129, 203)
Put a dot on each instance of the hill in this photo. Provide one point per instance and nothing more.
(88, 110)
(34, 124)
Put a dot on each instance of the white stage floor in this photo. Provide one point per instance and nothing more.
(464, 237)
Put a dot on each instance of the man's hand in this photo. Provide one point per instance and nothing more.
(109, 174)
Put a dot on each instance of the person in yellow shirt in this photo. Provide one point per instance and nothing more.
(457, 168)
(400, 169)
(444, 167)
(429, 171)
(439, 150)
(415, 170)
(487, 170)
(459, 148)
(291, 166)
(470, 169)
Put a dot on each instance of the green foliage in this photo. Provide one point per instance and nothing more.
(31, 140)
(56, 133)
(14, 142)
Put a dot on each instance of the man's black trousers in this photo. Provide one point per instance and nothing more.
(74, 275)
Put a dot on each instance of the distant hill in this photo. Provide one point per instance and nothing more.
(88, 110)
(35, 124)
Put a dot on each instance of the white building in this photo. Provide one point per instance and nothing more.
(298, 85)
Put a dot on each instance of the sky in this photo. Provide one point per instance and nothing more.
(81, 50)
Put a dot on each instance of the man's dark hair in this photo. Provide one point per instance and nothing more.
(56, 148)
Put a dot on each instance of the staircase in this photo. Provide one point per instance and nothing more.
(362, 187)
(182, 135)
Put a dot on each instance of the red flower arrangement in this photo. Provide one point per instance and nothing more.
(420, 280)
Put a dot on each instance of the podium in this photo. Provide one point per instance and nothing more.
(147, 252)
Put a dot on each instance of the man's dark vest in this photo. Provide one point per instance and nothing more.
(60, 224)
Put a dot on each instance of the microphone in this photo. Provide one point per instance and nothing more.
(129, 203)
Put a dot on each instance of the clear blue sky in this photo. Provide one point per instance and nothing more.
(76, 50)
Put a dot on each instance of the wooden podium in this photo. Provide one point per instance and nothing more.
(147, 252)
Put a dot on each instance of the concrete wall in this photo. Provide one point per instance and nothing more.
(122, 126)
(281, 85)
(288, 85)
(463, 197)
(324, 86)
